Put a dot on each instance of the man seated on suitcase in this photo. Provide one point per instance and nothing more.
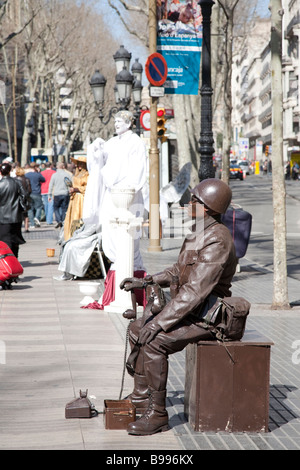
(205, 268)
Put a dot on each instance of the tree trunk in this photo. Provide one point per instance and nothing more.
(227, 98)
(280, 289)
(187, 112)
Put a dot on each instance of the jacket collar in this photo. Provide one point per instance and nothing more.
(205, 222)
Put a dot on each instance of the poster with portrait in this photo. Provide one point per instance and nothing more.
(179, 40)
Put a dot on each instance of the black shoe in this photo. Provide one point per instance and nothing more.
(58, 225)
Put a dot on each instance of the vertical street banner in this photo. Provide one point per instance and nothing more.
(179, 41)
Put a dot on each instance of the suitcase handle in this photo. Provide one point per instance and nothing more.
(8, 254)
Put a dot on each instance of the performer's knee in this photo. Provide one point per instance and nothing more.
(134, 329)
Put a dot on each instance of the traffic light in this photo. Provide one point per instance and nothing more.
(267, 150)
(161, 122)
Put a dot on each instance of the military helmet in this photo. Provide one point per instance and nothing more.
(214, 193)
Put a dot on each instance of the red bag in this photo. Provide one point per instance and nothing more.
(10, 267)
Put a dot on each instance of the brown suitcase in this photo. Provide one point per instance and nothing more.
(118, 414)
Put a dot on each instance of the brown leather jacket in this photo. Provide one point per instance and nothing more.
(206, 265)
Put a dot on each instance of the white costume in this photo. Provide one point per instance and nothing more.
(126, 165)
(122, 162)
(95, 188)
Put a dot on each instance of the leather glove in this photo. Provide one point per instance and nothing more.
(130, 283)
(148, 332)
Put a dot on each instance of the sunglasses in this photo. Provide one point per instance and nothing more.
(195, 200)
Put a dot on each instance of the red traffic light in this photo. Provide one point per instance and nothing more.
(160, 123)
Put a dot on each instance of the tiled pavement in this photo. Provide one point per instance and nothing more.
(51, 348)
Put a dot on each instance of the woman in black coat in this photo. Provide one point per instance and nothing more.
(11, 212)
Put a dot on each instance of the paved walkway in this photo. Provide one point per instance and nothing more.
(50, 348)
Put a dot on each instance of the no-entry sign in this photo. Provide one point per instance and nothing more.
(145, 119)
(156, 69)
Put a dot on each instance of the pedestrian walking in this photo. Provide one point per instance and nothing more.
(36, 179)
(58, 192)
(295, 171)
(287, 171)
(48, 203)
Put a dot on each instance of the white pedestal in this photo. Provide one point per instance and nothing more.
(124, 265)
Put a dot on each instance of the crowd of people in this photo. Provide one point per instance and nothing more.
(33, 193)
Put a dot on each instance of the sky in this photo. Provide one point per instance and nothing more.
(262, 8)
(120, 33)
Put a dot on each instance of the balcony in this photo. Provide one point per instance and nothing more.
(294, 21)
(265, 92)
(265, 115)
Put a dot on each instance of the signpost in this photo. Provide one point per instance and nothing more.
(145, 120)
(156, 69)
(154, 218)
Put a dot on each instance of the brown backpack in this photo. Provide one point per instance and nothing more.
(227, 319)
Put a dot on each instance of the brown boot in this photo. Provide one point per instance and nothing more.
(139, 397)
(155, 419)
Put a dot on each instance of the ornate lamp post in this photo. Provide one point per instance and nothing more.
(137, 98)
(127, 84)
(97, 84)
(206, 140)
(122, 59)
(137, 71)
(124, 81)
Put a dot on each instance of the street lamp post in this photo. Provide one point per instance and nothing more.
(127, 85)
(124, 81)
(97, 84)
(206, 140)
(137, 98)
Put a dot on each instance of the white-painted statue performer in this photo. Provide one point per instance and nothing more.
(121, 162)
(125, 167)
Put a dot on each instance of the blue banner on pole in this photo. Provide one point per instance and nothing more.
(179, 41)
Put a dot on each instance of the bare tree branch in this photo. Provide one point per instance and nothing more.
(141, 9)
(18, 31)
(137, 9)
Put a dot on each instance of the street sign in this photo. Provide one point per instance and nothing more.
(145, 119)
(156, 69)
(157, 91)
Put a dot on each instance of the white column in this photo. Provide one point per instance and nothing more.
(123, 266)
(125, 225)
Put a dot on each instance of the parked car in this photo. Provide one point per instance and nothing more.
(236, 172)
(245, 165)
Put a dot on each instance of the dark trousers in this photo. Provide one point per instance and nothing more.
(152, 360)
(11, 234)
(60, 206)
(36, 206)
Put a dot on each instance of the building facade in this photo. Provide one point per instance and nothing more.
(252, 90)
